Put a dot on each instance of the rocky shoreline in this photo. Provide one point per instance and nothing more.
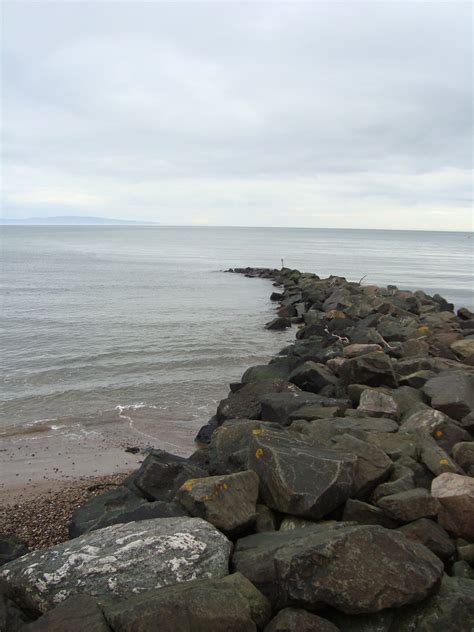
(335, 490)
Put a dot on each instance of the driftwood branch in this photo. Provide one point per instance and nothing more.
(342, 339)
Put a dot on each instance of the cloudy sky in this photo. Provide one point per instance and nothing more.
(270, 114)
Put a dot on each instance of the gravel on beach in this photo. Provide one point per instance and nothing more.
(43, 520)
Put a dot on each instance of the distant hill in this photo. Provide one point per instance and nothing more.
(72, 220)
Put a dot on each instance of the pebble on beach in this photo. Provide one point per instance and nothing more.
(43, 521)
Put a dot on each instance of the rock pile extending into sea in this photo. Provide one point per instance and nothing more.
(335, 490)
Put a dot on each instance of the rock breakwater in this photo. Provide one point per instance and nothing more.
(335, 490)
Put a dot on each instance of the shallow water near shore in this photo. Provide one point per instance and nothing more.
(138, 326)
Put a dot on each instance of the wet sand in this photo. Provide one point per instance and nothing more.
(48, 471)
(44, 459)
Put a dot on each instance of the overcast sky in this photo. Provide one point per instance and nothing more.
(330, 114)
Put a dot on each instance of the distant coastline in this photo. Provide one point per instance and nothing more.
(73, 220)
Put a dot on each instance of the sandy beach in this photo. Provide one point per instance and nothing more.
(47, 472)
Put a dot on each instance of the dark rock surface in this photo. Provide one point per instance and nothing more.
(227, 501)
(11, 547)
(298, 620)
(77, 614)
(355, 569)
(118, 506)
(227, 605)
(298, 478)
(161, 474)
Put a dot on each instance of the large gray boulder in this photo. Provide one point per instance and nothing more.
(245, 403)
(117, 561)
(432, 535)
(231, 604)
(373, 369)
(378, 404)
(312, 376)
(451, 609)
(452, 392)
(161, 474)
(409, 505)
(117, 506)
(456, 495)
(283, 407)
(373, 465)
(444, 430)
(227, 501)
(354, 569)
(299, 478)
(323, 431)
(229, 449)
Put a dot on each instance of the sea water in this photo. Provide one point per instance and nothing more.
(141, 320)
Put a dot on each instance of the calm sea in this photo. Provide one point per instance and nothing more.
(103, 319)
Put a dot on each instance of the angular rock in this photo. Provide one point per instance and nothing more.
(298, 620)
(245, 403)
(282, 407)
(463, 454)
(364, 513)
(456, 495)
(11, 547)
(400, 484)
(372, 369)
(229, 449)
(434, 457)
(161, 474)
(464, 349)
(227, 501)
(278, 323)
(279, 369)
(298, 478)
(417, 379)
(414, 348)
(373, 465)
(378, 404)
(451, 609)
(117, 506)
(432, 535)
(410, 505)
(260, 607)
(312, 412)
(117, 561)
(452, 392)
(355, 569)
(312, 377)
(227, 605)
(395, 444)
(77, 614)
(205, 432)
(444, 430)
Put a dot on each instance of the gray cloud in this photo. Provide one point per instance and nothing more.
(317, 114)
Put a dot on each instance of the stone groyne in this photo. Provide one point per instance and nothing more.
(335, 490)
